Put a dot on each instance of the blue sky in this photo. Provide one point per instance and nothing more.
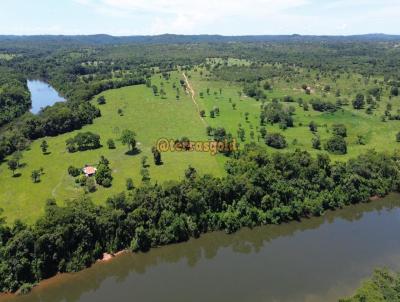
(227, 17)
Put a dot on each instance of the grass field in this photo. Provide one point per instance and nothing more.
(153, 117)
(379, 135)
(150, 117)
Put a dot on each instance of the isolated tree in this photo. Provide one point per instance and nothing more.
(190, 173)
(267, 86)
(339, 129)
(163, 93)
(209, 130)
(275, 140)
(263, 132)
(361, 139)
(35, 175)
(144, 161)
(90, 185)
(71, 145)
(17, 156)
(241, 134)
(44, 146)
(145, 175)
(148, 83)
(128, 137)
(101, 100)
(129, 184)
(359, 102)
(202, 113)
(156, 156)
(394, 91)
(12, 165)
(103, 175)
(111, 143)
(155, 89)
(316, 142)
(313, 126)
(336, 145)
(212, 113)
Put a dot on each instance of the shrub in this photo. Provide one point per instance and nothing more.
(129, 184)
(90, 185)
(275, 140)
(359, 102)
(323, 106)
(336, 145)
(111, 143)
(83, 141)
(73, 171)
(339, 129)
(101, 100)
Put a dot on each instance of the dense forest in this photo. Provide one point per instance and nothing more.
(14, 95)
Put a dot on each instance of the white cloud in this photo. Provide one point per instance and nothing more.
(188, 16)
(238, 17)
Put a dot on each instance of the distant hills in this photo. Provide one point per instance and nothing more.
(174, 39)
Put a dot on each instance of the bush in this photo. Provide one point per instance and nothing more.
(394, 91)
(25, 289)
(101, 100)
(316, 142)
(106, 183)
(323, 106)
(129, 184)
(111, 144)
(336, 145)
(275, 140)
(83, 141)
(90, 185)
(359, 102)
(73, 171)
(339, 129)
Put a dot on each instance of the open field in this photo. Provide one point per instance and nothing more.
(378, 135)
(150, 117)
(153, 117)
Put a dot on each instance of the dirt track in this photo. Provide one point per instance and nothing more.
(192, 93)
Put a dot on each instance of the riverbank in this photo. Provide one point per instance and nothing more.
(332, 254)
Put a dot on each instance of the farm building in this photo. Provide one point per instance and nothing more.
(89, 171)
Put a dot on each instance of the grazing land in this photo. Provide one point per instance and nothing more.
(151, 117)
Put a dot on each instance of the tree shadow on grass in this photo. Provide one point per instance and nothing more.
(135, 151)
(47, 153)
(16, 175)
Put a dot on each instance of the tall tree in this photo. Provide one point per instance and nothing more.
(128, 137)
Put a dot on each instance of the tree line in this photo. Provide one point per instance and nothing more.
(259, 188)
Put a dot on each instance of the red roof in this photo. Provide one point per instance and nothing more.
(89, 170)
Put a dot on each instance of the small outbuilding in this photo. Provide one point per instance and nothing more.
(89, 171)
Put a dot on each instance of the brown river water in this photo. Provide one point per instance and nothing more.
(318, 259)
